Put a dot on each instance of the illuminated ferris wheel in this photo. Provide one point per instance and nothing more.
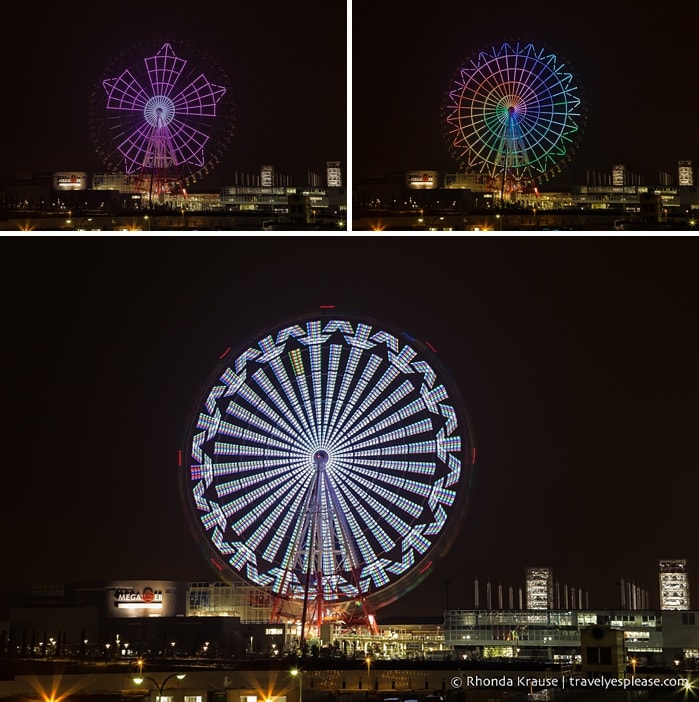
(164, 119)
(330, 463)
(513, 114)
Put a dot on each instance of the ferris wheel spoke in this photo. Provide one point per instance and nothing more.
(385, 436)
(199, 98)
(283, 423)
(400, 362)
(331, 384)
(188, 142)
(309, 407)
(349, 403)
(250, 426)
(364, 547)
(267, 516)
(164, 70)
(366, 418)
(375, 513)
(240, 467)
(280, 406)
(355, 356)
(316, 375)
(125, 93)
(290, 399)
(406, 495)
(374, 516)
(283, 531)
(135, 148)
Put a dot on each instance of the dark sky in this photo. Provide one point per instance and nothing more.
(287, 64)
(576, 358)
(637, 68)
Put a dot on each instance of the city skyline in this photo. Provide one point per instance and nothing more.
(628, 69)
(575, 359)
(282, 64)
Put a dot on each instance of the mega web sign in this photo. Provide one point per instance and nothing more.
(142, 599)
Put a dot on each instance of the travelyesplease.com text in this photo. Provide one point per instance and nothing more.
(568, 681)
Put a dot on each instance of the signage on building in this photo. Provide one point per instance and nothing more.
(70, 180)
(422, 180)
(130, 598)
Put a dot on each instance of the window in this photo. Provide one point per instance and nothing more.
(601, 655)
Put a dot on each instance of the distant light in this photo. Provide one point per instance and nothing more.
(430, 347)
(225, 353)
(327, 307)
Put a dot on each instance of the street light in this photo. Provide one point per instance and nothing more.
(138, 679)
(430, 227)
(297, 673)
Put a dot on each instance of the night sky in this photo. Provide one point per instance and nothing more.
(287, 65)
(576, 359)
(637, 69)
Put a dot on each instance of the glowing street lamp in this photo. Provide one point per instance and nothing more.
(138, 679)
(297, 673)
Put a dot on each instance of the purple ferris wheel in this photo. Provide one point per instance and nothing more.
(163, 119)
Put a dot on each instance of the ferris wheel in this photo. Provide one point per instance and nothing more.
(161, 120)
(329, 462)
(513, 114)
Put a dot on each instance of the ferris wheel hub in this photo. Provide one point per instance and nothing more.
(321, 458)
(159, 111)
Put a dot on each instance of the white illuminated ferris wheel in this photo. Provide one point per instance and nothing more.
(330, 463)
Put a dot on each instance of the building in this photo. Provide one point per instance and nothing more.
(685, 173)
(674, 585)
(266, 193)
(602, 652)
(618, 192)
(539, 588)
(334, 174)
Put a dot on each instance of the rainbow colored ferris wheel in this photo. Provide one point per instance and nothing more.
(513, 114)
